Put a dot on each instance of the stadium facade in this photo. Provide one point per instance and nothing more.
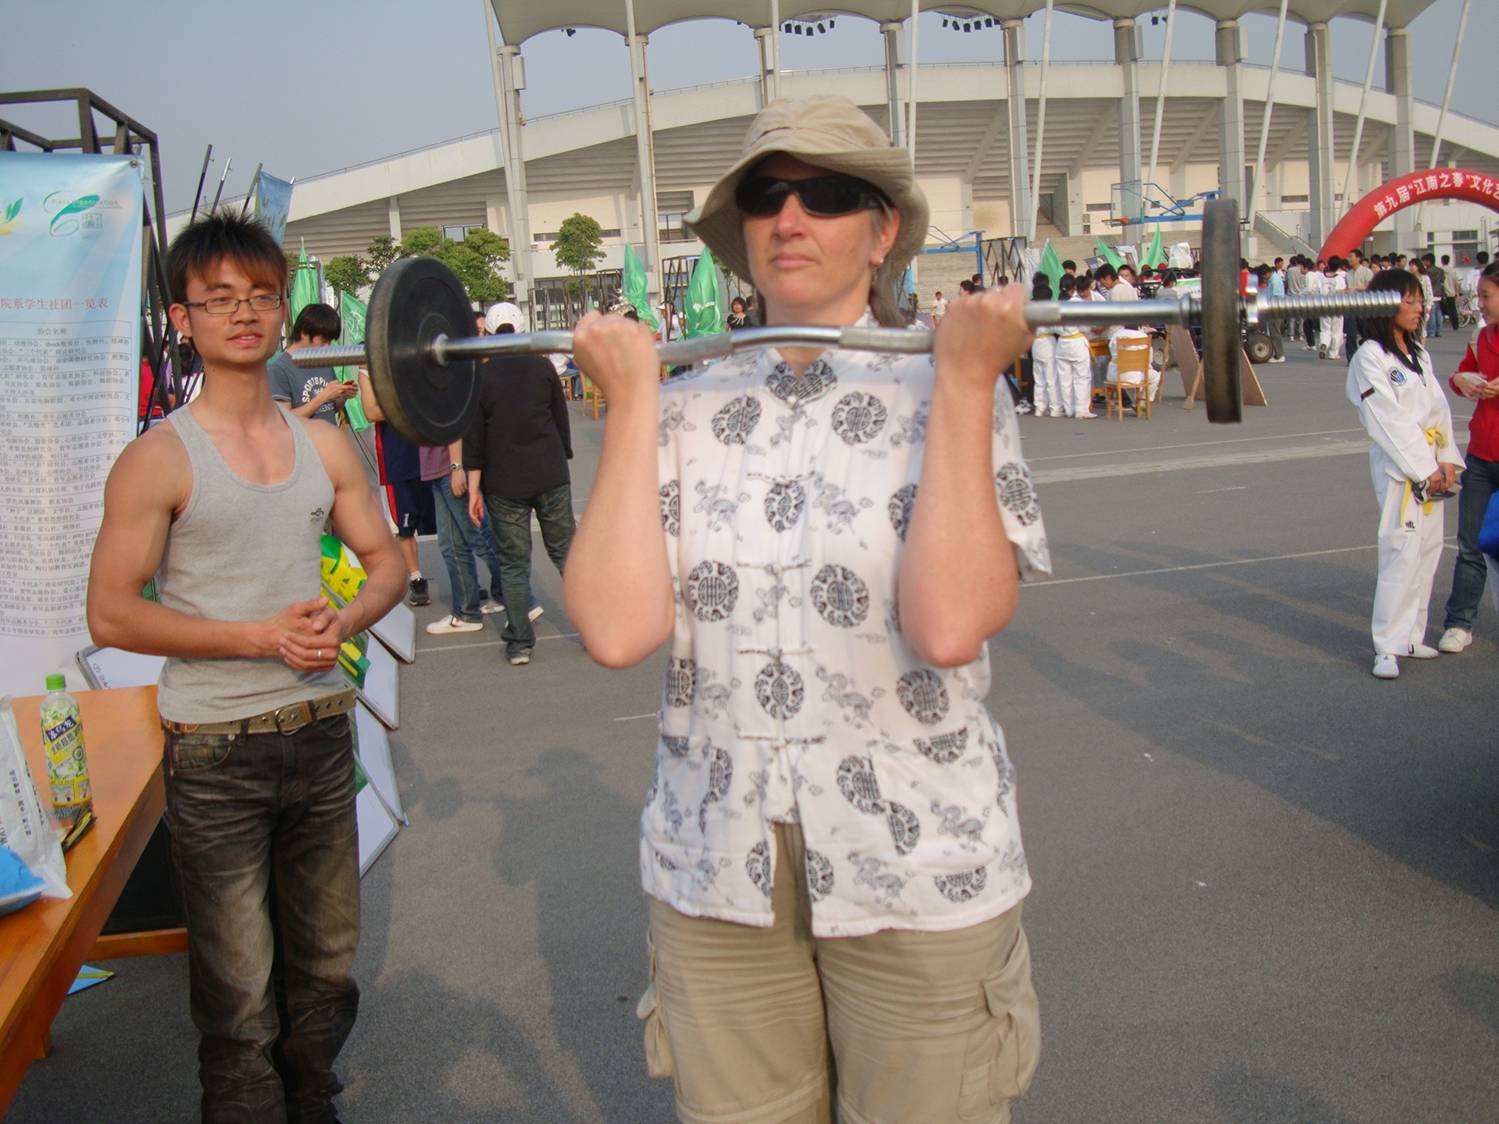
(1015, 148)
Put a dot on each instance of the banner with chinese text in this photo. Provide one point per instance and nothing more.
(71, 238)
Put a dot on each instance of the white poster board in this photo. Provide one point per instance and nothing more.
(70, 260)
(397, 631)
(377, 803)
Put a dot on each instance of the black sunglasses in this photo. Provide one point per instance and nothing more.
(824, 196)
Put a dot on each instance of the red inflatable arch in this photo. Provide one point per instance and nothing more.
(1398, 194)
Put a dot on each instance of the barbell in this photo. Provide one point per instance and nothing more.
(423, 366)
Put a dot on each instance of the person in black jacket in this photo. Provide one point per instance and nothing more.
(516, 453)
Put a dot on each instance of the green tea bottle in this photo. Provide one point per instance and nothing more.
(67, 767)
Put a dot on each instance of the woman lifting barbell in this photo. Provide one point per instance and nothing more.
(830, 841)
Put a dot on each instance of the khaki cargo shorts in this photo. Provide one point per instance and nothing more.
(922, 1027)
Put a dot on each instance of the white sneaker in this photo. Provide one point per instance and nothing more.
(449, 625)
(536, 611)
(1386, 667)
(491, 607)
(1423, 652)
(1455, 640)
(1058, 412)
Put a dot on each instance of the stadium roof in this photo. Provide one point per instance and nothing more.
(521, 19)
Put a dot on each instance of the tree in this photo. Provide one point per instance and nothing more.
(476, 260)
(577, 245)
(383, 250)
(347, 273)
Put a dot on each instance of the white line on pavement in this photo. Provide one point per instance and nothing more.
(1194, 445)
(493, 643)
(1212, 460)
(1209, 565)
(635, 717)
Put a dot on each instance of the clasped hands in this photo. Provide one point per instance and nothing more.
(306, 635)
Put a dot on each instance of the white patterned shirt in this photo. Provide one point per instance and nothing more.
(791, 695)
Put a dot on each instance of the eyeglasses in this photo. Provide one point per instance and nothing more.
(228, 306)
(823, 196)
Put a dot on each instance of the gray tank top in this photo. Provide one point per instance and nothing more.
(241, 551)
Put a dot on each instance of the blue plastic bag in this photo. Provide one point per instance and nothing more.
(18, 886)
(1488, 534)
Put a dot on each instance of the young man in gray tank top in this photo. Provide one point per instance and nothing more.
(224, 505)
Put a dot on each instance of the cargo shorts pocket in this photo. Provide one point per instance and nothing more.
(658, 1060)
(1003, 1053)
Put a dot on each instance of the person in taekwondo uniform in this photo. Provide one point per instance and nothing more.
(830, 842)
(1401, 404)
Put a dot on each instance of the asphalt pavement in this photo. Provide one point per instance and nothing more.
(1265, 883)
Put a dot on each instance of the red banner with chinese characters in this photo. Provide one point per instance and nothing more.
(1398, 194)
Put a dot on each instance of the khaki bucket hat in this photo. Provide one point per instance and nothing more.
(830, 132)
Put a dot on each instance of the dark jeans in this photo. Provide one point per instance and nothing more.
(1480, 480)
(512, 532)
(461, 543)
(266, 846)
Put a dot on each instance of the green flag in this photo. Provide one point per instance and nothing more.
(705, 316)
(1108, 254)
(1051, 265)
(351, 311)
(635, 288)
(1155, 253)
(304, 284)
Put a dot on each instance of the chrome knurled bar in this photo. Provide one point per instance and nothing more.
(1183, 309)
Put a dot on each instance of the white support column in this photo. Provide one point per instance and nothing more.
(1319, 140)
(1230, 53)
(965, 202)
(1261, 176)
(508, 76)
(914, 64)
(645, 155)
(1020, 178)
(393, 211)
(1030, 230)
(512, 81)
(764, 42)
(1350, 180)
(1126, 56)
(1397, 55)
(894, 54)
(1160, 90)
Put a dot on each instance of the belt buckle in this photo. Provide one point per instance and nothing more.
(293, 717)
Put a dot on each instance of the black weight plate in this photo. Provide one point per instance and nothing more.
(1221, 333)
(415, 300)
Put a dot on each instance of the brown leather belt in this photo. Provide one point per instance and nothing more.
(286, 719)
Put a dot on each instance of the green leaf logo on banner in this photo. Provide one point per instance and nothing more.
(65, 222)
(10, 216)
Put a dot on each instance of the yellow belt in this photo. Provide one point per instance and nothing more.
(1073, 336)
(1434, 438)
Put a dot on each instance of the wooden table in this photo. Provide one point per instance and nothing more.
(43, 945)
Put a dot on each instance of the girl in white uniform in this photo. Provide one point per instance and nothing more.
(1330, 328)
(1051, 401)
(1074, 360)
(1401, 404)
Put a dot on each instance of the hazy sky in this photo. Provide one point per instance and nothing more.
(310, 87)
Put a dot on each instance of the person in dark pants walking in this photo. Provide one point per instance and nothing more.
(516, 453)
